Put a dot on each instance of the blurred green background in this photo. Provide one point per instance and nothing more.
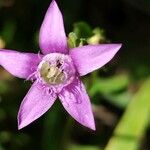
(119, 92)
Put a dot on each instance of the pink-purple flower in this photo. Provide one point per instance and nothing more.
(56, 72)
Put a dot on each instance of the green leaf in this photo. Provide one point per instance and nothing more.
(82, 147)
(5, 136)
(132, 126)
(109, 85)
(72, 40)
(8, 31)
(119, 99)
(82, 30)
(1, 148)
(3, 87)
(54, 128)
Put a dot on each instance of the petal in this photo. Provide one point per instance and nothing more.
(76, 101)
(35, 104)
(91, 57)
(19, 64)
(52, 36)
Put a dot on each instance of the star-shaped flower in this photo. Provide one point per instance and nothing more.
(56, 72)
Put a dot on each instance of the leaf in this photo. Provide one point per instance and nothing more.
(1, 148)
(54, 128)
(72, 40)
(119, 99)
(4, 87)
(82, 147)
(132, 126)
(109, 85)
(82, 30)
(8, 31)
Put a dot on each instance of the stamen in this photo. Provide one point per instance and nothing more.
(31, 76)
(56, 69)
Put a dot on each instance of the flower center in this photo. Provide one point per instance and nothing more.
(56, 69)
(52, 74)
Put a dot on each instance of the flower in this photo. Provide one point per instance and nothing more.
(56, 72)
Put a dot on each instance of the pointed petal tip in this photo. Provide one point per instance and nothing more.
(92, 127)
(95, 56)
(21, 125)
(52, 36)
(119, 45)
(115, 46)
(54, 3)
(77, 103)
(34, 105)
(90, 124)
(17, 63)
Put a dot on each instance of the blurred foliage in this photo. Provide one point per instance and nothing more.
(79, 147)
(134, 122)
(120, 98)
